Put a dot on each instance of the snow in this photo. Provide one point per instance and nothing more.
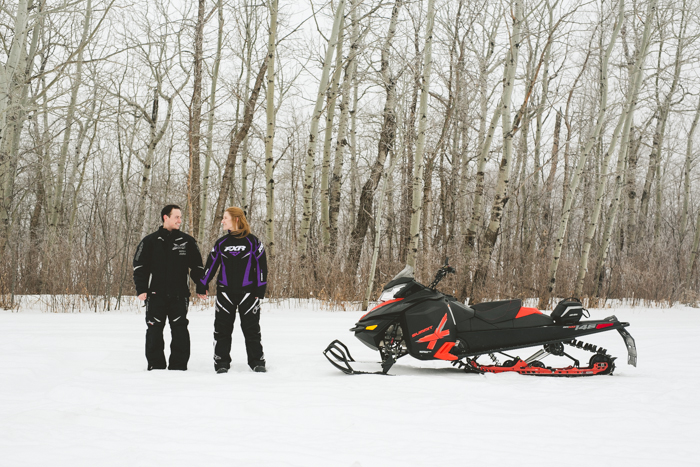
(74, 390)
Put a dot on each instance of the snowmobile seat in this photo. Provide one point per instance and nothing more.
(511, 313)
(530, 318)
(499, 311)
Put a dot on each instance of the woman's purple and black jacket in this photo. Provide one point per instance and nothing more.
(241, 263)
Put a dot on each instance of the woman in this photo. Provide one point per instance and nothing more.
(241, 284)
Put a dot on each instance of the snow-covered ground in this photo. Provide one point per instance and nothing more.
(74, 390)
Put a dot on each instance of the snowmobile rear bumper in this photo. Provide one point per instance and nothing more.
(629, 340)
(631, 346)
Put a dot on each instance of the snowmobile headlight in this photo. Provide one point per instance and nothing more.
(371, 328)
(389, 294)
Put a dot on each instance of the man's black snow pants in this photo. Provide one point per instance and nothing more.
(248, 307)
(174, 309)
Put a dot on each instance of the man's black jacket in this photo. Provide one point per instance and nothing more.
(162, 262)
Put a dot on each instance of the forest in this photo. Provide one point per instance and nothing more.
(548, 148)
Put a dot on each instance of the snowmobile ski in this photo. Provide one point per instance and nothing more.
(339, 355)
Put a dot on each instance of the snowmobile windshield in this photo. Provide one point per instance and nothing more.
(406, 272)
(389, 294)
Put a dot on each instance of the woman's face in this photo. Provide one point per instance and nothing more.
(226, 222)
(229, 224)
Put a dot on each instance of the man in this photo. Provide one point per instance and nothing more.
(161, 265)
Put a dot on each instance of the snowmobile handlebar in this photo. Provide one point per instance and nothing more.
(442, 272)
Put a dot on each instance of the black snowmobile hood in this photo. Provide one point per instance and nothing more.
(401, 304)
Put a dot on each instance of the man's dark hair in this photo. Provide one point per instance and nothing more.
(167, 210)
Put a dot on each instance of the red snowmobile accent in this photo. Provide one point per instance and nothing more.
(525, 369)
(381, 305)
(437, 335)
(444, 352)
(385, 303)
(524, 311)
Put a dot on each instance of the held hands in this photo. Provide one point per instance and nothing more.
(143, 296)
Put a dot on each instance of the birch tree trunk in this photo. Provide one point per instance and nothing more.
(377, 233)
(592, 140)
(235, 144)
(342, 140)
(57, 205)
(386, 143)
(627, 116)
(612, 212)
(631, 190)
(536, 214)
(693, 254)
(156, 134)
(330, 116)
(195, 124)
(8, 159)
(210, 124)
(91, 123)
(478, 207)
(662, 112)
(686, 171)
(549, 183)
(40, 115)
(313, 132)
(409, 140)
(11, 65)
(353, 150)
(485, 140)
(455, 205)
(249, 41)
(500, 197)
(417, 204)
(270, 134)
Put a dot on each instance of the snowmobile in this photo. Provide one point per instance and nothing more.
(411, 318)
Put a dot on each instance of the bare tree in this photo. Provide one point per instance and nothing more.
(328, 136)
(624, 123)
(386, 142)
(500, 197)
(592, 139)
(313, 132)
(686, 170)
(417, 204)
(342, 137)
(270, 133)
(210, 122)
(235, 144)
(663, 105)
(8, 160)
(195, 123)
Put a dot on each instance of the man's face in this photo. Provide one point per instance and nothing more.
(173, 221)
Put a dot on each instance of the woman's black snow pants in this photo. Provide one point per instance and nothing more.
(248, 307)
